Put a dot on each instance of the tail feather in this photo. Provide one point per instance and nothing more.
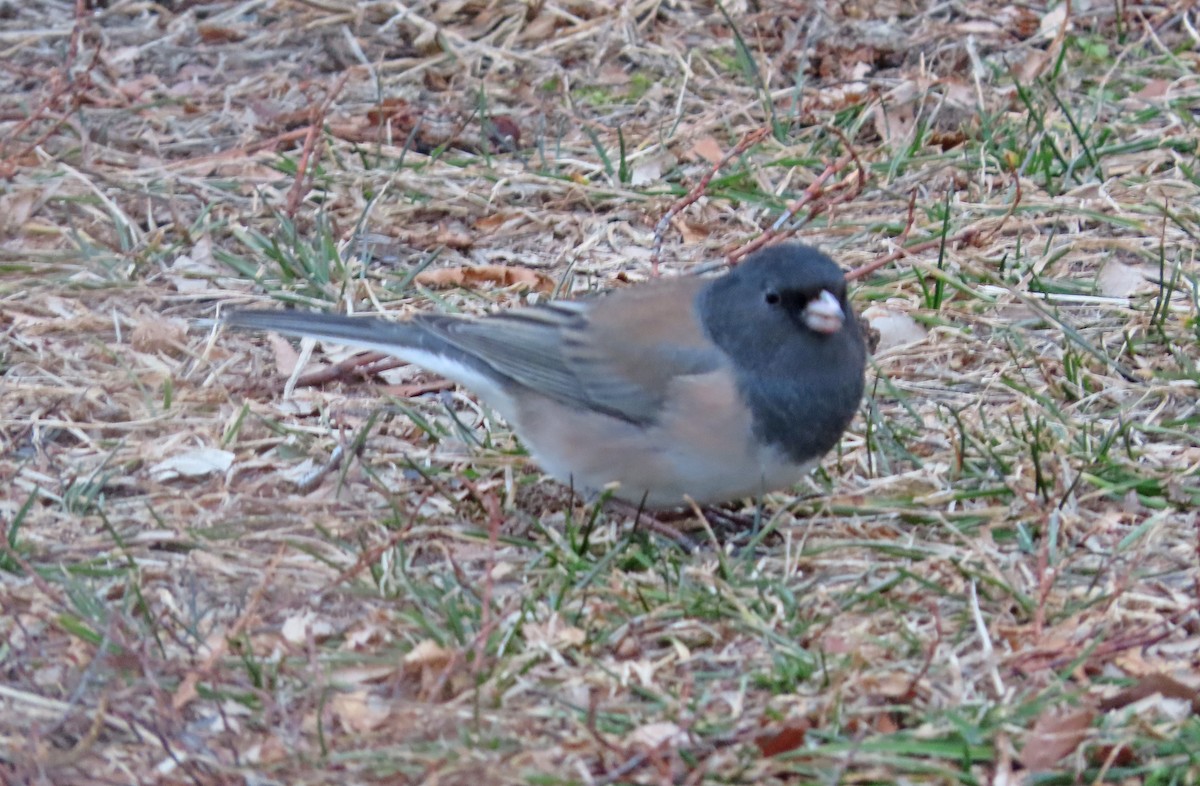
(366, 332)
(413, 341)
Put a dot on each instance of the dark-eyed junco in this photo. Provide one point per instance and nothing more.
(713, 388)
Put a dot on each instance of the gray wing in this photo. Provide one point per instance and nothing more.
(616, 354)
(595, 354)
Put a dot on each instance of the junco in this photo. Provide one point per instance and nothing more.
(715, 388)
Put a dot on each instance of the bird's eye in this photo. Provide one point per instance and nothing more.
(772, 297)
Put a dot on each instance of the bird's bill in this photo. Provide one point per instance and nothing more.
(824, 314)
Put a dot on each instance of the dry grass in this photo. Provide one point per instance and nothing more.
(994, 580)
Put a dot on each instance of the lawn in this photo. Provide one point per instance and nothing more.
(229, 558)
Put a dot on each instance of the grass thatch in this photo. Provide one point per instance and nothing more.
(994, 580)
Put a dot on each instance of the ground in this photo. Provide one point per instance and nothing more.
(228, 559)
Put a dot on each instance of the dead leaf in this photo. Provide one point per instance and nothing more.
(1055, 735)
(1020, 21)
(896, 328)
(17, 207)
(219, 34)
(648, 170)
(708, 149)
(541, 27)
(158, 334)
(1032, 66)
(613, 74)
(286, 357)
(492, 222)
(298, 628)
(428, 664)
(894, 122)
(392, 110)
(553, 635)
(1053, 21)
(656, 735)
(1117, 279)
(1155, 88)
(691, 231)
(192, 464)
(362, 675)
(958, 93)
(1164, 685)
(503, 132)
(360, 711)
(499, 275)
(451, 238)
(789, 738)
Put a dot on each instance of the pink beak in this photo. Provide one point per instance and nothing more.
(824, 314)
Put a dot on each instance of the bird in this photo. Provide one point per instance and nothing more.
(691, 388)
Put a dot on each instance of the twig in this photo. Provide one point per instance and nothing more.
(910, 218)
(811, 195)
(1047, 658)
(372, 555)
(313, 479)
(364, 363)
(296, 194)
(697, 191)
(910, 693)
(187, 688)
(64, 84)
(969, 236)
(240, 151)
(985, 642)
(56, 760)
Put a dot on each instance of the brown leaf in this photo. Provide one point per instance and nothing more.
(503, 132)
(286, 357)
(895, 122)
(1155, 88)
(492, 222)
(541, 28)
(359, 711)
(946, 140)
(658, 735)
(1116, 279)
(709, 149)
(159, 334)
(789, 738)
(692, 232)
(451, 238)
(1022, 22)
(1054, 20)
(895, 327)
(16, 207)
(396, 110)
(1055, 735)
(218, 34)
(1166, 686)
(499, 275)
(886, 724)
(1112, 756)
(1032, 66)
(436, 671)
